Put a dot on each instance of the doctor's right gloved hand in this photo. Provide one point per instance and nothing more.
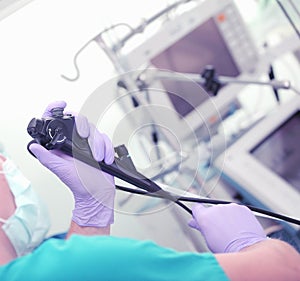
(93, 190)
(227, 228)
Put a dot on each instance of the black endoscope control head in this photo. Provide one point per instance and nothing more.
(53, 131)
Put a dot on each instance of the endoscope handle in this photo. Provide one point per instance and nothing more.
(58, 133)
(116, 169)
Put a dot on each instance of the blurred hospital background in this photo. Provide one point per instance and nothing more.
(203, 93)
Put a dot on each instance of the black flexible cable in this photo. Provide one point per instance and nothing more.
(172, 197)
(252, 208)
(184, 207)
(207, 201)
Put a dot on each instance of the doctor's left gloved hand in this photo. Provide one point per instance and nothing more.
(93, 190)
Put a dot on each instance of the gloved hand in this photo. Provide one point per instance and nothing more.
(93, 190)
(227, 228)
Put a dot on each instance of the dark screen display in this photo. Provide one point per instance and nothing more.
(201, 47)
(280, 151)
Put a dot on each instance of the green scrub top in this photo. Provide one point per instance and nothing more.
(106, 258)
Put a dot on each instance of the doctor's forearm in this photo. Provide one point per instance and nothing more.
(87, 230)
(268, 260)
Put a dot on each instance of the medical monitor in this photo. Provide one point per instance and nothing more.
(211, 33)
(264, 164)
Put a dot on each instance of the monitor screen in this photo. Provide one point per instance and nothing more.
(280, 151)
(263, 164)
(191, 54)
(210, 33)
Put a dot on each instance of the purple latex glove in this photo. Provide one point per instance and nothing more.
(227, 228)
(93, 190)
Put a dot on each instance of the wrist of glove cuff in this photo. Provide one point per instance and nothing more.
(92, 213)
(243, 242)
